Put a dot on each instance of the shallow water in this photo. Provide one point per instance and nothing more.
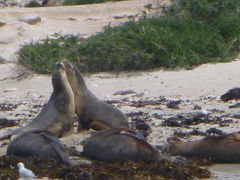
(226, 171)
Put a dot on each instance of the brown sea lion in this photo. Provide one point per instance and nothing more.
(92, 112)
(220, 149)
(57, 116)
(231, 94)
(38, 143)
(117, 145)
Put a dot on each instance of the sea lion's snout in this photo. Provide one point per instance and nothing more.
(60, 65)
(67, 64)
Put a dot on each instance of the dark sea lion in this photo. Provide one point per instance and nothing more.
(220, 149)
(117, 145)
(57, 116)
(38, 143)
(92, 112)
(231, 94)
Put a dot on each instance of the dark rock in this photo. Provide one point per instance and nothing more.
(4, 122)
(124, 92)
(237, 105)
(214, 131)
(197, 107)
(173, 104)
(2, 23)
(2, 60)
(231, 94)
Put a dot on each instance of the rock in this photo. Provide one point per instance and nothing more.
(30, 20)
(71, 19)
(3, 4)
(2, 60)
(231, 94)
(237, 105)
(7, 123)
(173, 104)
(2, 23)
(10, 90)
(124, 92)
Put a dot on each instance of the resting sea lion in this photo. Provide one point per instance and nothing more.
(57, 116)
(92, 112)
(38, 143)
(220, 149)
(117, 145)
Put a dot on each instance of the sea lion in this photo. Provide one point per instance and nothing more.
(57, 116)
(38, 143)
(231, 94)
(91, 111)
(117, 145)
(220, 149)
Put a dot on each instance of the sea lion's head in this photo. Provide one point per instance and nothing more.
(74, 77)
(59, 78)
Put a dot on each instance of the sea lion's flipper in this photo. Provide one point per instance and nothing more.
(53, 139)
(57, 144)
(97, 125)
(63, 156)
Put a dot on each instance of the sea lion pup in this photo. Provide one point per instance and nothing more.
(57, 116)
(231, 94)
(91, 111)
(117, 145)
(220, 149)
(38, 143)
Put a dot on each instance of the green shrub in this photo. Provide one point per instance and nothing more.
(187, 33)
(32, 4)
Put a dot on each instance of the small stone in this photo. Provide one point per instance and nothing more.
(9, 89)
(71, 19)
(2, 60)
(173, 104)
(94, 85)
(31, 20)
(119, 17)
(2, 23)
(124, 92)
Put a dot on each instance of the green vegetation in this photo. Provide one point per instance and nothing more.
(32, 4)
(78, 2)
(187, 33)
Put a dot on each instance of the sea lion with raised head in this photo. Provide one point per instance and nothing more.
(91, 111)
(220, 149)
(38, 143)
(118, 145)
(57, 116)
